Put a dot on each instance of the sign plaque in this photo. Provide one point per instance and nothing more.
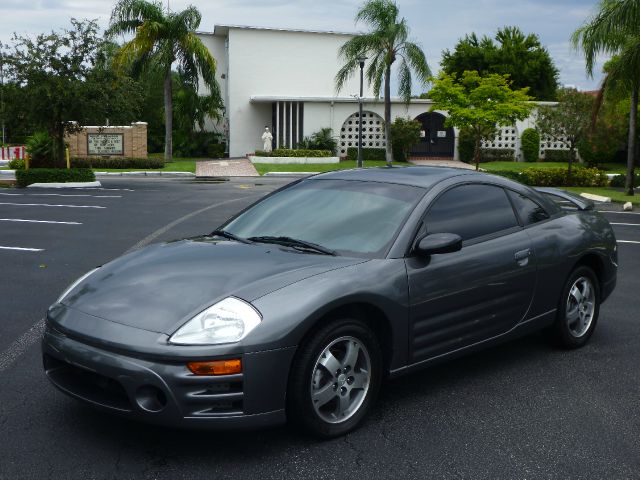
(442, 134)
(105, 144)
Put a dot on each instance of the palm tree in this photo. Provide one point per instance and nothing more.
(384, 43)
(160, 40)
(615, 30)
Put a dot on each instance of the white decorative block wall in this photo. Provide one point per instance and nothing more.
(372, 132)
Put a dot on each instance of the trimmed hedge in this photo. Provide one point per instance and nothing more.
(285, 152)
(117, 162)
(619, 180)
(530, 145)
(557, 177)
(497, 155)
(372, 154)
(50, 175)
(556, 156)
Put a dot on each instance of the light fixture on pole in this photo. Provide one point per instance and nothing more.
(361, 61)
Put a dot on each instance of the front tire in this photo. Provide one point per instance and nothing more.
(578, 309)
(335, 378)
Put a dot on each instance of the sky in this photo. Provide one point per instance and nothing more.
(435, 25)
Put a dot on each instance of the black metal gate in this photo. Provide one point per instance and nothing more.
(436, 140)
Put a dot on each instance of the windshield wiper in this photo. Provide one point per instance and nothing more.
(293, 242)
(229, 235)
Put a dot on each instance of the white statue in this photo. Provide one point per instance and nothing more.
(267, 138)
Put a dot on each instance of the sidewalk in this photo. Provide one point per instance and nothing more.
(233, 167)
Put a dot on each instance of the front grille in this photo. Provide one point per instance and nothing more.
(86, 384)
(211, 396)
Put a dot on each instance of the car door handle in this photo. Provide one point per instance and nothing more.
(522, 257)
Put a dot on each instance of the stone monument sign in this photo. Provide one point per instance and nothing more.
(122, 141)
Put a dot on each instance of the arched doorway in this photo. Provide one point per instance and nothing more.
(436, 140)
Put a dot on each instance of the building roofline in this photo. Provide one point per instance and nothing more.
(223, 30)
(329, 99)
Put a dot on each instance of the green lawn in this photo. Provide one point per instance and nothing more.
(520, 166)
(615, 194)
(178, 165)
(263, 168)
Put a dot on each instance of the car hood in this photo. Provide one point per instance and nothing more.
(162, 286)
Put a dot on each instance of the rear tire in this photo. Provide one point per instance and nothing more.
(578, 310)
(335, 378)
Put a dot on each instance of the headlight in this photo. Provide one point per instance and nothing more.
(74, 285)
(228, 321)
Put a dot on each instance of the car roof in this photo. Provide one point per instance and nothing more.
(417, 176)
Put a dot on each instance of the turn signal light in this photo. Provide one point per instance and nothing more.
(216, 367)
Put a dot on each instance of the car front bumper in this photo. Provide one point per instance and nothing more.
(165, 392)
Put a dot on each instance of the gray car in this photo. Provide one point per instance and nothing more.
(301, 305)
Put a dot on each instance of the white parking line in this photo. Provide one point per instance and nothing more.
(628, 224)
(37, 221)
(49, 205)
(98, 188)
(23, 249)
(59, 195)
(628, 241)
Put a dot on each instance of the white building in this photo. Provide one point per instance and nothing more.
(284, 79)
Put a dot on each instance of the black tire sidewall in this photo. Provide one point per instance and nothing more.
(561, 329)
(299, 404)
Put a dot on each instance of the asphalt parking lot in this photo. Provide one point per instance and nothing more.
(520, 410)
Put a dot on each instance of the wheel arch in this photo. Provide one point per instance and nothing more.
(371, 314)
(593, 261)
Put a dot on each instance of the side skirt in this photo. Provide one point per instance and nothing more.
(524, 328)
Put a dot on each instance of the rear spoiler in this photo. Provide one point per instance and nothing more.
(579, 202)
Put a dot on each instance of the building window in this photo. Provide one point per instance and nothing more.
(287, 119)
(372, 132)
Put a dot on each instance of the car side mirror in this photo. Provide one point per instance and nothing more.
(439, 243)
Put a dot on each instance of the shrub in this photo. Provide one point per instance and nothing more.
(286, 152)
(557, 177)
(530, 145)
(368, 154)
(216, 150)
(16, 164)
(619, 180)
(497, 155)
(195, 144)
(405, 133)
(41, 148)
(117, 162)
(466, 146)
(600, 147)
(49, 175)
(556, 156)
(320, 140)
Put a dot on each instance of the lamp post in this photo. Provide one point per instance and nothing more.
(361, 61)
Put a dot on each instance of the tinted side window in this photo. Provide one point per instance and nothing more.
(528, 210)
(471, 211)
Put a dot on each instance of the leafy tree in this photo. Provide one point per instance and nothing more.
(479, 104)
(405, 133)
(160, 40)
(58, 87)
(522, 57)
(568, 122)
(615, 30)
(386, 41)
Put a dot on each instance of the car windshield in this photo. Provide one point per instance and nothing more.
(348, 217)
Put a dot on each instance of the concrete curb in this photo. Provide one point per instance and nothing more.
(289, 174)
(7, 174)
(145, 174)
(66, 185)
(596, 198)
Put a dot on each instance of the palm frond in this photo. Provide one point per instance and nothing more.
(128, 15)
